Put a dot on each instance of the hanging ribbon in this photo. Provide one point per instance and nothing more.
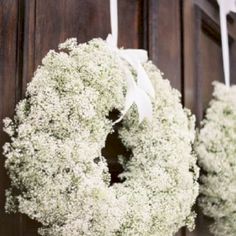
(226, 6)
(137, 92)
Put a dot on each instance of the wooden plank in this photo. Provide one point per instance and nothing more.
(9, 91)
(28, 43)
(202, 65)
(58, 20)
(130, 24)
(188, 54)
(233, 62)
(163, 36)
(164, 33)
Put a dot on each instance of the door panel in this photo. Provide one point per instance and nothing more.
(9, 92)
(181, 36)
(203, 64)
(202, 52)
(164, 38)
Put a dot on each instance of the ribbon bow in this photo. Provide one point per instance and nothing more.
(140, 92)
(226, 6)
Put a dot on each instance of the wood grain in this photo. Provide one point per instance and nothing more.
(9, 62)
(164, 38)
(182, 37)
(202, 59)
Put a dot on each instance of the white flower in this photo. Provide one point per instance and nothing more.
(59, 131)
(216, 148)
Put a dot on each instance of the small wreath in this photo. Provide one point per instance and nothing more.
(216, 148)
(58, 175)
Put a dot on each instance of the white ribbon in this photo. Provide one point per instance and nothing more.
(139, 92)
(226, 6)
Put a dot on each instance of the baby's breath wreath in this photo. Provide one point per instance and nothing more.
(58, 175)
(216, 148)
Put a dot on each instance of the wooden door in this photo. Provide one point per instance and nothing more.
(202, 64)
(182, 37)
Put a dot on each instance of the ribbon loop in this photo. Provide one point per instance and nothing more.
(114, 22)
(226, 6)
(137, 92)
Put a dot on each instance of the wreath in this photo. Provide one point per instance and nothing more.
(216, 148)
(58, 174)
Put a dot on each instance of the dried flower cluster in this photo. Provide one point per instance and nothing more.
(58, 175)
(216, 147)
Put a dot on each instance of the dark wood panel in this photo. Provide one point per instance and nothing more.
(164, 38)
(58, 20)
(189, 51)
(182, 37)
(210, 65)
(202, 52)
(28, 42)
(9, 82)
(233, 61)
(203, 64)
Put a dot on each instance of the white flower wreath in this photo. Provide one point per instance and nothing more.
(216, 147)
(58, 175)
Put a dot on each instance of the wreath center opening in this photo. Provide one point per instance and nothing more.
(114, 148)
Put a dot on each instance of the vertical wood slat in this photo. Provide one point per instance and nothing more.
(233, 62)
(192, 89)
(202, 65)
(58, 20)
(201, 26)
(164, 41)
(188, 52)
(10, 40)
(28, 43)
(164, 38)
